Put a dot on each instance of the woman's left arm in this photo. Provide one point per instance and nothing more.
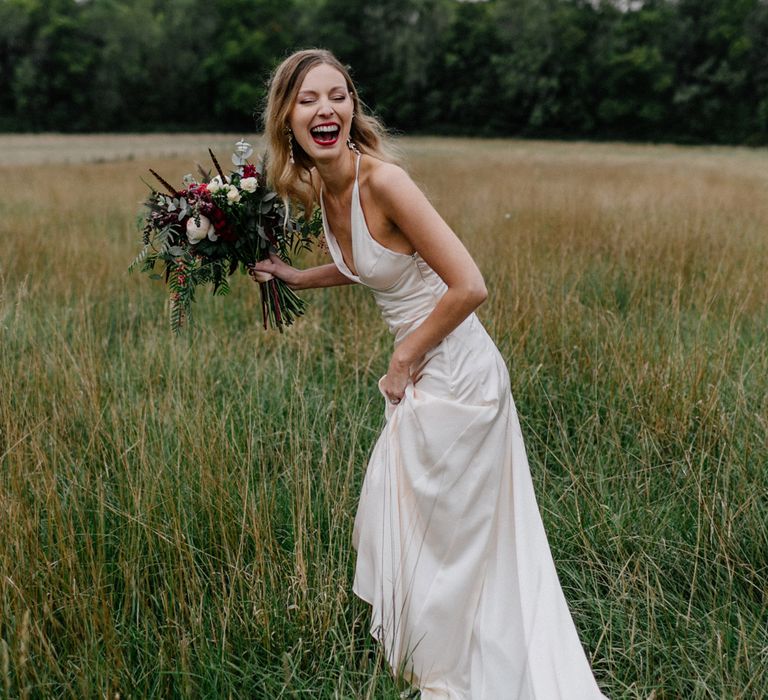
(409, 210)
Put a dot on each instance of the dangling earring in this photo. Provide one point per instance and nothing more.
(290, 145)
(352, 146)
(350, 143)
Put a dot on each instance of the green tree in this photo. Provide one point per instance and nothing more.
(755, 89)
(712, 100)
(250, 37)
(635, 71)
(391, 46)
(687, 70)
(462, 92)
(15, 37)
(50, 81)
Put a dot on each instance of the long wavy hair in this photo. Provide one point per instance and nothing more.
(292, 181)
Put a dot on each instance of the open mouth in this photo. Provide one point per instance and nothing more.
(325, 134)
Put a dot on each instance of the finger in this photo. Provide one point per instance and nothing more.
(261, 276)
(419, 366)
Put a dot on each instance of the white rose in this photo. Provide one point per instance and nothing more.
(249, 184)
(195, 232)
(216, 184)
(233, 195)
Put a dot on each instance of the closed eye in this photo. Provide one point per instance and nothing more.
(310, 100)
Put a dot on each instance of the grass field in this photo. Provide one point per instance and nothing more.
(176, 513)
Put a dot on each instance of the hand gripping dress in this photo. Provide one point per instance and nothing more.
(451, 549)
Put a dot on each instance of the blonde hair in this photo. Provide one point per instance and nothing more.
(292, 181)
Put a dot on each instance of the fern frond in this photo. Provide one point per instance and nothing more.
(139, 258)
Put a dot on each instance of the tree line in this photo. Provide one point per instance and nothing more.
(687, 71)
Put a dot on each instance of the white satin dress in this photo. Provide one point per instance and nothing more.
(451, 550)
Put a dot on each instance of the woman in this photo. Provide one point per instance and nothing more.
(451, 550)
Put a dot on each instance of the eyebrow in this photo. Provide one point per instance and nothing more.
(314, 92)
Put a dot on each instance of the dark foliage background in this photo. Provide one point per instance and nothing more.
(675, 70)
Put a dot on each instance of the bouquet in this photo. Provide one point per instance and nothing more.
(206, 231)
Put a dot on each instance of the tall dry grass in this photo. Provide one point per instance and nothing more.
(175, 513)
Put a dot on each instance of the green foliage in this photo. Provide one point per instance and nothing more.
(683, 70)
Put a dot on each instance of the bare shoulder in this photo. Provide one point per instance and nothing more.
(386, 179)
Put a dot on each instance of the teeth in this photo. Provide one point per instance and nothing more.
(325, 129)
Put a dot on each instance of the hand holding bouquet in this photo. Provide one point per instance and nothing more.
(205, 231)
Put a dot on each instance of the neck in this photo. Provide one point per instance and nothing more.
(337, 175)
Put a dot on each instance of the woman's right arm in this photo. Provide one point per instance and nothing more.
(310, 278)
(321, 276)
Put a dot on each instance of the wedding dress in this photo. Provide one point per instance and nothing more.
(451, 550)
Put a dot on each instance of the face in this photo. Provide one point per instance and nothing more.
(321, 117)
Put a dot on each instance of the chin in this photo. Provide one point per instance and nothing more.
(327, 153)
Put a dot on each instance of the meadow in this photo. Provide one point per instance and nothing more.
(176, 512)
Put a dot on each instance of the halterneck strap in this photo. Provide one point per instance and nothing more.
(357, 166)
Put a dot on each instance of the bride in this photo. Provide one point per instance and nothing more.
(451, 550)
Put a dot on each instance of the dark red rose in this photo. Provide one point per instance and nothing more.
(227, 233)
(218, 219)
(249, 170)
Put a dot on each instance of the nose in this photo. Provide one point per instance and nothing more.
(325, 107)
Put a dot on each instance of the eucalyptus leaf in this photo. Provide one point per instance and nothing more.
(176, 251)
